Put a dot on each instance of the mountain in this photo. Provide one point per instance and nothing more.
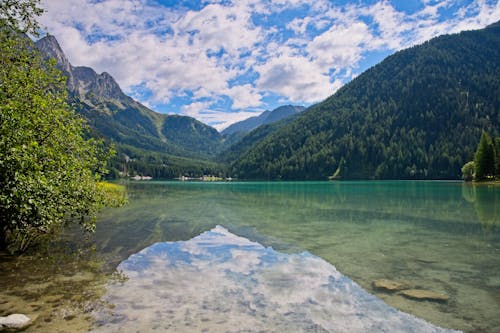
(183, 130)
(168, 140)
(418, 114)
(243, 142)
(83, 81)
(267, 117)
(246, 125)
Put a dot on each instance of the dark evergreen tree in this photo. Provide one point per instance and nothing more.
(484, 159)
(497, 156)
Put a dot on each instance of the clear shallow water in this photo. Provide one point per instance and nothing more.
(439, 236)
(219, 282)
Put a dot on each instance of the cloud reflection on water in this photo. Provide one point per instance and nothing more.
(219, 282)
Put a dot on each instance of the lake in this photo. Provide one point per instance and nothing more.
(270, 256)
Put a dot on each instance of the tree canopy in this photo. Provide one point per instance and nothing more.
(484, 159)
(20, 15)
(49, 169)
(486, 163)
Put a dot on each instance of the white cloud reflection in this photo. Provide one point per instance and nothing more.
(219, 282)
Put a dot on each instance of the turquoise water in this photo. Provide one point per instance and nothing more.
(439, 236)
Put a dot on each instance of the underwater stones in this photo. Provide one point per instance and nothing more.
(424, 295)
(15, 321)
(389, 285)
(403, 289)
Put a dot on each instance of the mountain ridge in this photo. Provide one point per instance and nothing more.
(416, 115)
(81, 79)
(131, 126)
(266, 117)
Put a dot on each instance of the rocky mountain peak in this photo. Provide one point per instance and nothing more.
(101, 85)
(82, 80)
(51, 47)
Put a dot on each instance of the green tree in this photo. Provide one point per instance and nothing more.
(48, 169)
(20, 15)
(468, 171)
(484, 159)
(497, 156)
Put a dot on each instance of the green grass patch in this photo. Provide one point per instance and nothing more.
(115, 195)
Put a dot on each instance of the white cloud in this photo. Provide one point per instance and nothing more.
(244, 96)
(295, 77)
(483, 14)
(340, 47)
(172, 64)
(217, 27)
(299, 25)
(219, 119)
(196, 108)
(199, 54)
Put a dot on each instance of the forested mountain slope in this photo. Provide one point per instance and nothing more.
(418, 114)
(265, 118)
(239, 136)
(245, 141)
(187, 131)
(162, 144)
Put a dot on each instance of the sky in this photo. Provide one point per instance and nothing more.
(222, 61)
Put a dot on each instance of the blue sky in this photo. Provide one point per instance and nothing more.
(222, 61)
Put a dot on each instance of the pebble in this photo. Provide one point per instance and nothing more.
(15, 320)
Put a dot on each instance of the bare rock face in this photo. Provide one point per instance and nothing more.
(82, 80)
(15, 321)
(424, 295)
(389, 285)
(50, 46)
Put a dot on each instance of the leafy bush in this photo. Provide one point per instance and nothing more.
(49, 170)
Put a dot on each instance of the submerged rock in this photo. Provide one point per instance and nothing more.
(424, 295)
(389, 285)
(16, 320)
(403, 289)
